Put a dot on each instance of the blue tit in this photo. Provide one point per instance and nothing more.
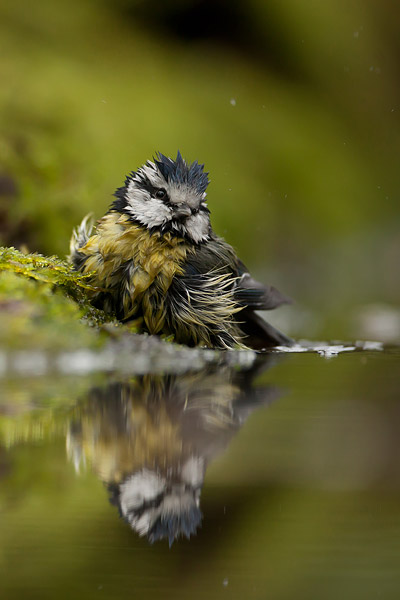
(154, 259)
(151, 439)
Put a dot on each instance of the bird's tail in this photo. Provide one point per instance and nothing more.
(260, 334)
(80, 236)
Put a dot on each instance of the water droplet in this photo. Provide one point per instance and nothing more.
(232, 101)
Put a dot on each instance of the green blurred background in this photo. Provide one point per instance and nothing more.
(293, 106)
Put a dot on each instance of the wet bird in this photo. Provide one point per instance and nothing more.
(151, 439)
(154, 259)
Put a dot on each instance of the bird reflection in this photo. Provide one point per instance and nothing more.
(150, 440)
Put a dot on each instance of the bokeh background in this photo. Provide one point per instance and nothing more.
(293, 106)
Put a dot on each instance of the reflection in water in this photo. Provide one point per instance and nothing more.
(151, 439)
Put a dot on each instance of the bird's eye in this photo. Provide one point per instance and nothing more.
(161, 194)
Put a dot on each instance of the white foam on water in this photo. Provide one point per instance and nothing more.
(329, 350)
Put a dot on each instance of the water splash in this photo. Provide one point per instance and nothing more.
(330, 349)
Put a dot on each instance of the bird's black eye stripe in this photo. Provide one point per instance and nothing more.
(145, 184)
(161, 194)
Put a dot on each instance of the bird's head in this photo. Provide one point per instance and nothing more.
(162, 506)
(168, 196)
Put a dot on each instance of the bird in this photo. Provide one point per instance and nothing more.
(153, 260)
(151, 439)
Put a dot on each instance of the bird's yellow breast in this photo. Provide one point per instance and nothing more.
(138, 265)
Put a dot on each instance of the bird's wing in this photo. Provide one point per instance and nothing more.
(253, 294)
(214, 256)
(218, 256)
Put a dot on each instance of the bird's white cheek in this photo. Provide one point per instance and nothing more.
(197, 227)
(150, 212)
(139, 488)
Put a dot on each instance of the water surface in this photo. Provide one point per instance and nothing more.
(284, 474)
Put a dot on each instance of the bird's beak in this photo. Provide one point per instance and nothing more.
(182, 212)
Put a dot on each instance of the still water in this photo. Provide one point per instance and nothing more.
(277, 480)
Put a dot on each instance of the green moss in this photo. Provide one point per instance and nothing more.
(43, 304)
(37, 407)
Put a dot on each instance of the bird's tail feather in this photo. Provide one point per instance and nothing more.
(259, 333)
(80, 236)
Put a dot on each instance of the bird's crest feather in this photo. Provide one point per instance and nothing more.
(180, 172)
